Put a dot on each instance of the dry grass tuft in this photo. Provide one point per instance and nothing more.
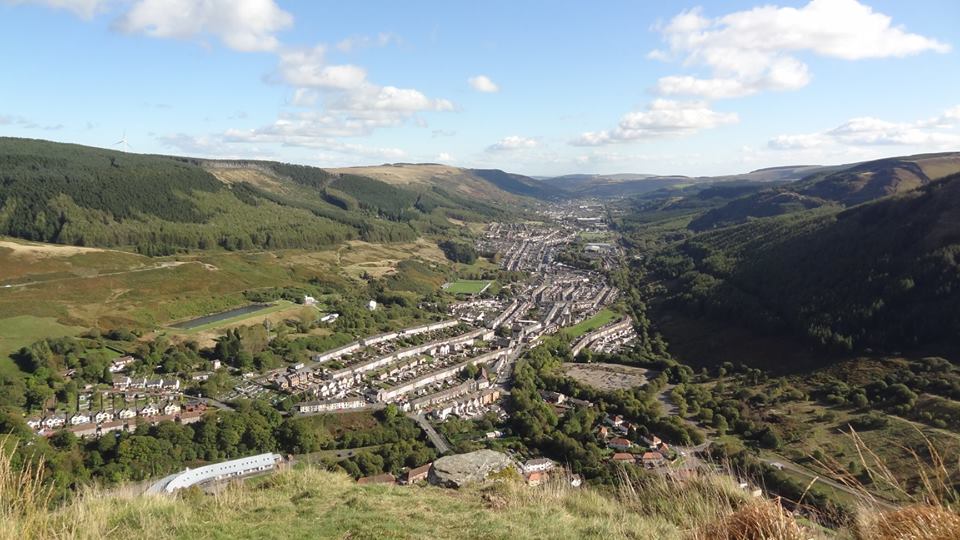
(24, 498)
(760, 520)
(915, 522)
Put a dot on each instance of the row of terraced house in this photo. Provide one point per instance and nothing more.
(85, 424)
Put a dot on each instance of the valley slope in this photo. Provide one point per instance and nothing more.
(883, 275)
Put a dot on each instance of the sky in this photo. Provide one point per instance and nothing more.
(534, 87)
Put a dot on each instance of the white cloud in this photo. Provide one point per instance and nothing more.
(511, 143)
(244, 25)
(362, 42)
(375, 99)
(939, 133)
(308, 68)
(482, 83)
(444, 157)
(342, 102)
(304, 97)
(351, 149)
(85, 9)
(25, 123)
(663, 118)
(754, 50)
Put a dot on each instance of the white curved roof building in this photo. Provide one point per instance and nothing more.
(217, 471)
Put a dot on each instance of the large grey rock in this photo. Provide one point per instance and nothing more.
(462, 469)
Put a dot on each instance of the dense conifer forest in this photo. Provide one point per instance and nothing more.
(84, 196)
(881, 275)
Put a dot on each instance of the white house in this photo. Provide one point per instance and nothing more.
(34, 423)
(171, 408)
(126, 414)
(332, 405)
(120, 364)
(149, 410)
(372, 305)
(538, 465)
(329, 317)
(78, 419)
(54, 421)
(309, 300)
(103, 416)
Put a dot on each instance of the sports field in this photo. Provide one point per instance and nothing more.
(603, 317)
(468, 286)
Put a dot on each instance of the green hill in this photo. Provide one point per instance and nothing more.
(845, 185)
(71, 194)
(883, 275)
(307, 502)
(475, 184)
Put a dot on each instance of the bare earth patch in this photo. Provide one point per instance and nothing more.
(27, 249)
(606, 376)
(254, 177)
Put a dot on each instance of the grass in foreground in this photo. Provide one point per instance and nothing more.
(307, 502)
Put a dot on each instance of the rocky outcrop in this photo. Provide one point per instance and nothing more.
(462, 469)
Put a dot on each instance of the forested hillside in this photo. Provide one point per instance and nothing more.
(845, 186)
(78, 195)
(882, 275)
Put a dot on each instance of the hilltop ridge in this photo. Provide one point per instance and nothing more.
(73, 194)
(493, 184)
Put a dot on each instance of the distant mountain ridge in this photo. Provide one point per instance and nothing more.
(489, 184)
(836, 186)
(632, 184)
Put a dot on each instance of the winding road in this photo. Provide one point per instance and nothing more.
(438, 441)
(803, 471)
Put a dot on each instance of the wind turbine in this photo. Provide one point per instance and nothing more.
(123, 142)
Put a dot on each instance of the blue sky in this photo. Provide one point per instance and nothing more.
(534, 87)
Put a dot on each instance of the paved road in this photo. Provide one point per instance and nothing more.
(803, 471)
(438, 441)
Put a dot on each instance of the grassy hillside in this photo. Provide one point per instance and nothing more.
(71, 194)
(57, 290)
(484, 184)
(307, 502)
(883, 275)
(845, 186)
(310, 503)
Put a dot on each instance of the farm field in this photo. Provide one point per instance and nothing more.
(604, 316)
(606, 376)
(468, 286)
(22, 330)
